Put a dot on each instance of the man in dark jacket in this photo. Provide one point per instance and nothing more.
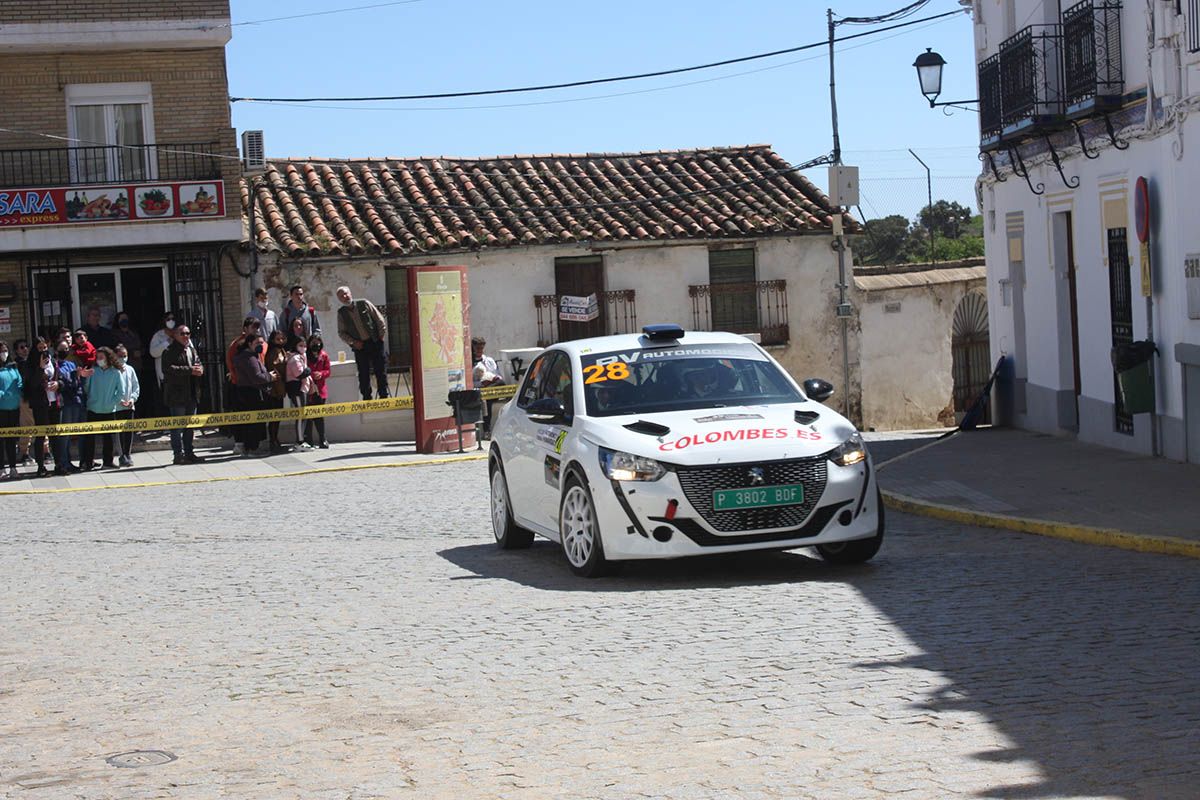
(182, 373)
(364, 328)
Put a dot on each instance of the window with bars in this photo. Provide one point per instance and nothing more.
(737, 308)
(1193, 25)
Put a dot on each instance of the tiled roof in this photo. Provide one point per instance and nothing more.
(875, 279)
(403, 206)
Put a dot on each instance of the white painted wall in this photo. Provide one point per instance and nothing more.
(1162, 149)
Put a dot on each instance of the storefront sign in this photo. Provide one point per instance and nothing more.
(1191, 277)
(119, 203)
(578, 309)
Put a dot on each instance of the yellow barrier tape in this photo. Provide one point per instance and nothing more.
(235, 417)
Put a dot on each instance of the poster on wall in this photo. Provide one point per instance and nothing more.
(5, 319)
(441, 351)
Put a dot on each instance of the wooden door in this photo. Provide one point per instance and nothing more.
(581, 277)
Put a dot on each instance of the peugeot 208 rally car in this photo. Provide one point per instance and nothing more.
(676, 444)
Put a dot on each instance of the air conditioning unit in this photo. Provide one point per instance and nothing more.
(254, 156)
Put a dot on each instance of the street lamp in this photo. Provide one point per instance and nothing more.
(929, 72)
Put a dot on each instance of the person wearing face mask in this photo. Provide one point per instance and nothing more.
(130, 391)
(160, 341)
(41, 392)
(70, 389)
(11, 391)
(277, 357)
(260, 310)
(104, 394)
(252, 379)
(361, 326)
(128, 337)
(318, 364)
(299, 384)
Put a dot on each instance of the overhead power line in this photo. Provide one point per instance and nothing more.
(595, 81)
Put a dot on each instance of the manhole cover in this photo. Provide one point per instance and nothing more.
(141, 758)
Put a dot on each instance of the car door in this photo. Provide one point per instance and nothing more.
(518, 439)
(550, 442)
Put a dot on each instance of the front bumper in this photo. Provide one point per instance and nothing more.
(636, 522)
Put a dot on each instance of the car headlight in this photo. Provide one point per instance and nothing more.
(620, 466)
(849, 452)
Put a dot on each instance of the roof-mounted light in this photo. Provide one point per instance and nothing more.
(666, 332)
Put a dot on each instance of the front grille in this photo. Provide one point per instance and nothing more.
(699, 483)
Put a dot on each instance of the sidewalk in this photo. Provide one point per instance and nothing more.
(1055, 487)
(154, 467)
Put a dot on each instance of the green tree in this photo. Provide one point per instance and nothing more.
(948, 218)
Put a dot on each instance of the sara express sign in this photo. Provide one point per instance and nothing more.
(117, 203)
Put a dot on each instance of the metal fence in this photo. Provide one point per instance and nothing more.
(757, 307)
(618, 314)
(82, 166)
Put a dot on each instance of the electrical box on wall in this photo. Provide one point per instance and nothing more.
(843, 185)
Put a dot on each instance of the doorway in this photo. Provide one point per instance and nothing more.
(1066, 287)
(141, 292)
(580, 277)
(970, 353)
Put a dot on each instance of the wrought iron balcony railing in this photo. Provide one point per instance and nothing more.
(759, 307)
(617, 314)
(990, 124)
(1091, 43)
(82, 166)
(1031, 77)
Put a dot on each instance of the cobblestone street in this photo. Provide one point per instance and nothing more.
(358, 636)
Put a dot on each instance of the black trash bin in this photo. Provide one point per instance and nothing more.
(1132, 364)
(468, 410)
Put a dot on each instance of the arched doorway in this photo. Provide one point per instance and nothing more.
(971, 354)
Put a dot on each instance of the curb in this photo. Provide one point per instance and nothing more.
(1105, 537)
(190, 481)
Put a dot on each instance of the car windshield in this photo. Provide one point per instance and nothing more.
(682, 378)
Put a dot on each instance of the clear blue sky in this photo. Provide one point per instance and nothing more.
(459, 45)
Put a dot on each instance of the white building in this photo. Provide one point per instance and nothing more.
(1078, 101)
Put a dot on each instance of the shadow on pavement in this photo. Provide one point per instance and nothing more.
(1085, 658)
(544, 567)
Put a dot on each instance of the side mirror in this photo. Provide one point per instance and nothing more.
(818, 390)
(546, 410)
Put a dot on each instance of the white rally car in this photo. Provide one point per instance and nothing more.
(676, 444)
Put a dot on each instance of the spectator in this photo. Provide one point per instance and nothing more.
(85, 351)
(252, 379)
(296, 308)
(127, 336)
(250, 325)
(160, 341)
(98, 335)
(277, 358)
(104, 394)
(318, 362)
(41, 392)
(268, 322)
(361, 326)
(130, 391)
(294, 336)
(62, 335)
(182, 372)
(11, 389)
(299, 385)
(20, 357)
(70, 389)
(484, 373)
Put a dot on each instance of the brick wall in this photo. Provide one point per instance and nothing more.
(189, 88)
(106, 10)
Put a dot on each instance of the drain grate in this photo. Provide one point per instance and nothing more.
(141, 758)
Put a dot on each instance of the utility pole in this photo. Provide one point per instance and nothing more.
(839, 239)
(929, 206)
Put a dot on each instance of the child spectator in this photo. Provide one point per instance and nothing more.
(318, 362)
(299, 384)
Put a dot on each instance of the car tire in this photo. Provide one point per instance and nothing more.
(579, 531)
(855, 551)
(509, 535)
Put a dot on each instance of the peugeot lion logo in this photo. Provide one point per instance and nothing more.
(756, 476)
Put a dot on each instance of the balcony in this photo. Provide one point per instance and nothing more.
(617, 313)
(758, 307)
(1031, 94)
(990, 121)
(1092, 75)
(85, 166)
